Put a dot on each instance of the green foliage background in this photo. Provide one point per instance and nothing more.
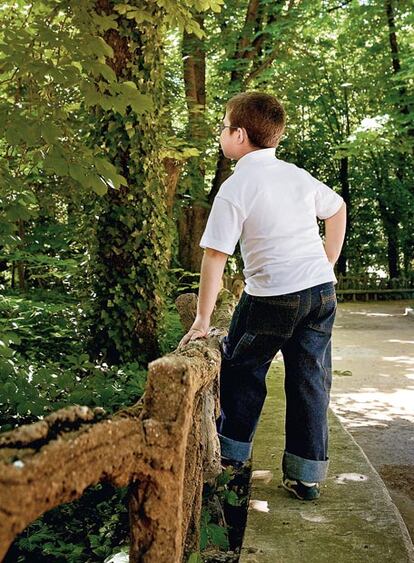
(94, 103)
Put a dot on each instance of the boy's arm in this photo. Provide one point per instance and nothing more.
(334, 234)
(212, 268)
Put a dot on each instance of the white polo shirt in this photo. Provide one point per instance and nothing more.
(272, 206)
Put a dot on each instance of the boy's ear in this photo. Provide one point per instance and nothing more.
(242, 135)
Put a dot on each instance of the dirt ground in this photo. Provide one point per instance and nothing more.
(373, 390)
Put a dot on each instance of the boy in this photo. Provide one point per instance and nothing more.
(289, 301)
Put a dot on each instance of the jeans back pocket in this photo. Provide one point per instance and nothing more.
(274, 315)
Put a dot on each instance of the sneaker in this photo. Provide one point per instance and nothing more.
(301, 489)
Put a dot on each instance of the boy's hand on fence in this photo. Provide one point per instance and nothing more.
(193, 334)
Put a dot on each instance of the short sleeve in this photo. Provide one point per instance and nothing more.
(327, 202)
(224, 226)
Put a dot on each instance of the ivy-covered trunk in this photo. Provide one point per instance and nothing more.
(130, 267)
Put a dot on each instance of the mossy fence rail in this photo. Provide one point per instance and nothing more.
(163, 448)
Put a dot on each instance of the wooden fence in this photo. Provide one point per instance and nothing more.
(163, 448)
(372, 286)
(364, 286)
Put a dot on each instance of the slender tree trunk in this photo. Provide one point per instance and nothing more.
(21, 270)
(223, 171)
(193, 216)
(345, 192)
(402, 107)
(390, 223)
(396, 64)
(172, 176)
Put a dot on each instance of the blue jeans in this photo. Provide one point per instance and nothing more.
(300, 325)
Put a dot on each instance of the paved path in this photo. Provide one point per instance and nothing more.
(375, 342)
(354, 521)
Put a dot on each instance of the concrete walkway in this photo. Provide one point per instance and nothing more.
(373, 390)
(355, 519)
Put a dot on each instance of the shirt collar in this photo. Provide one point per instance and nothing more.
(256, 156)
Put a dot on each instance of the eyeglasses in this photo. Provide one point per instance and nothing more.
(221, 127)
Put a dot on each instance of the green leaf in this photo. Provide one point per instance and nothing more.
(14, 136)
(122, 8)
(9, 389)
(104, 70)
(23, 407)
(129, 95)
(193, 27)
(203, 538)
(108, 171)
(5, 351)
(78, 173)
(99, 47)
(119, 104)
(225, 477)
(55, 162)
(218, 536)
(97, 184)
(105, 22)
(92, 96)
(140, 103)
(17, 211)
(140, 16)
(50, 133)
(232, 498)
(130, 84)
(32, 135)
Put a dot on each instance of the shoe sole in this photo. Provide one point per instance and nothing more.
(293, 491)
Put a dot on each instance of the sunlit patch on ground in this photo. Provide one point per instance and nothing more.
(262, 475)
(342, 478)
(259, 505)
(313, 517)
(373, 407)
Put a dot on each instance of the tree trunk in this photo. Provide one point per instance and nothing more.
(396, 64)
(390, 222)
(172, 175)
(193, 216)
(402, 107)
(134, 236)
(344, 180)
(21, 273)
(190, 229)
(3, 268)
(247, 52)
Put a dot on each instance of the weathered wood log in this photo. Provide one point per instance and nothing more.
(173, 396)
(158, 447)
(148, 452)
(187, 306)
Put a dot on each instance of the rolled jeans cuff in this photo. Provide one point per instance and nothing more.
(232, 449)
(308, 470)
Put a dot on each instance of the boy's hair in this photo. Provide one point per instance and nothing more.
(262, 115)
